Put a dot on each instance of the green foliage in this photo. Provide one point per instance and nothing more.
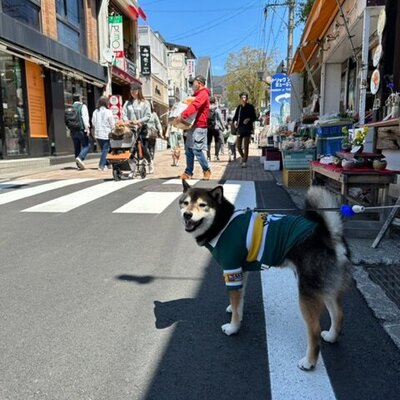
(303, 10)
(242, 76)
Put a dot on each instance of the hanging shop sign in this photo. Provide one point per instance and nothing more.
(145, 61)
(36, 100)
(381, 23)
(117, 40)
(375, 81)
(281, 88)
(377, 55)
(191, 68)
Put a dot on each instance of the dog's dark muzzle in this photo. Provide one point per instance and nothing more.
(190, 225)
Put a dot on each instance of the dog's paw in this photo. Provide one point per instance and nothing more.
(328, 336)
(229, 309)
(230, 329)
(305, 365)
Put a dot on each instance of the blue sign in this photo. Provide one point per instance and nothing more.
(280, 100)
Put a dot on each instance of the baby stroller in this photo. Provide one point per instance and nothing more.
(126, 153)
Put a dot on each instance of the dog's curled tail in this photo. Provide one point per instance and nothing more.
(318, 198)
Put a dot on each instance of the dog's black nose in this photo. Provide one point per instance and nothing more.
(187, 215)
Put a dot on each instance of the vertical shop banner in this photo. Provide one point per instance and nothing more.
(191, 68)
(280, 100)
(117, 40)
(115, 105)
(36, 101)
(145, 60)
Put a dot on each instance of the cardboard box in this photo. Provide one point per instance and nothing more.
(177, 110)
(271, 165)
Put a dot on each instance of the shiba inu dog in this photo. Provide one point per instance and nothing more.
(243, 240)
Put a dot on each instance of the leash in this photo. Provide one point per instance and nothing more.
(345, 210)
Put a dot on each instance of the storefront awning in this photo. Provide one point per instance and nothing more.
(319, 20)
(122, 77)
(132, 9)
(139, 12)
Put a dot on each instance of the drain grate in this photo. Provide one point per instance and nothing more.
(388, 278)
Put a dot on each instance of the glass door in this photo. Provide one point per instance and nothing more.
(13, 133)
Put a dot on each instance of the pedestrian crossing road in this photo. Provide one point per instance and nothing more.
(149, 202)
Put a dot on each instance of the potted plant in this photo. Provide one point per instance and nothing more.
(358, 140)
(346, 143)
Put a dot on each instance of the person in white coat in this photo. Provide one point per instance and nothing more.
(103, 123)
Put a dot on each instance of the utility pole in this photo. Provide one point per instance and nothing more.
(290, 26)
(291, 5)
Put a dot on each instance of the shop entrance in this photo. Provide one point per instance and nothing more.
(13, 126)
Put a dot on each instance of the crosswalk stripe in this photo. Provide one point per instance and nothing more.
(70, 201)
(149, 203)
(241, 193)
(20, 182)
(286, 341)
(27, 192)
(178, 181)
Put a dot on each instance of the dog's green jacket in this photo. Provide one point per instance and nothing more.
(254, 241)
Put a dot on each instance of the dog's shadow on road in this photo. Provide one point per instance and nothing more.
(181, 310)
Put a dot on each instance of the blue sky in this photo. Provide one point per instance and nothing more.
(216, 28)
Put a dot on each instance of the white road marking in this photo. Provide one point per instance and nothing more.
(21, 182)
(178, 181)
(149, 203)
(241, 193)
(286, 341)
(70, 201)
(19, 194)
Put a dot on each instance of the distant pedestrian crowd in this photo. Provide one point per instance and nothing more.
(137, 114)
(209, 135)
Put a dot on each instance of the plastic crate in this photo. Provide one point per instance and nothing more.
(329, 145)
(293, 159)
(333, 130)
(296, 178)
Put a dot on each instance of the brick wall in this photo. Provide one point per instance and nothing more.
(91, 29)
(49, 24)
(49, 20)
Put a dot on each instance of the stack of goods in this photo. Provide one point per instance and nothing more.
(329, 133)
(296, 156)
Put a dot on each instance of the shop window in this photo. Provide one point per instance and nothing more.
(13, 126)
(25, 11)
(72, 86)
(70, 26)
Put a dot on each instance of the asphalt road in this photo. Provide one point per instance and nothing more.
(97, 304)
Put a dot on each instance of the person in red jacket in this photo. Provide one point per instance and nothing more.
(196, 138)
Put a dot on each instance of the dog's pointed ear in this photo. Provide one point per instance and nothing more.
(186, 186)
(217, 194)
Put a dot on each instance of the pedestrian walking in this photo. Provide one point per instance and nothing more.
(231, 140)
(77, 121)
(175, 139)
(154, 131)
(196, 137)
(136, 113)
(243, 120)
(215, 128)
(103, 123)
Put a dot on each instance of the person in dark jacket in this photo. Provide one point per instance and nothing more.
(243, 120)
